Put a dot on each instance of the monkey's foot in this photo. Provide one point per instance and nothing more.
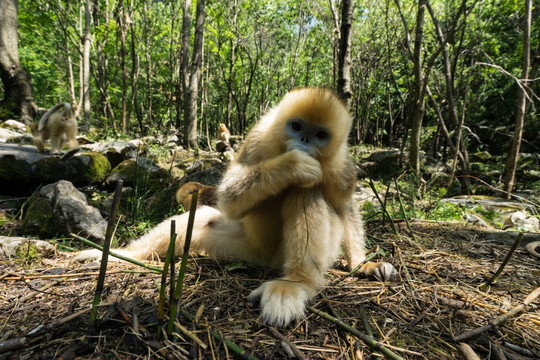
(381, 270)
(282, 301)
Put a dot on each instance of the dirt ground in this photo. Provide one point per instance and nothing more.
(44, 306)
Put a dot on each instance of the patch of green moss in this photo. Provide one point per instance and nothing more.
(12, 169)
(87, 168)
(39, 218)
(27, 252)
(98, 168)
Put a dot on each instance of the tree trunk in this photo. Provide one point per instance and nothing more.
(192, 75)
(512, 160)
(86, 64)
(17, 100)
(417, 104)
(344, 55)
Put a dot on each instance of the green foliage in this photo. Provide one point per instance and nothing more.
(256, 50)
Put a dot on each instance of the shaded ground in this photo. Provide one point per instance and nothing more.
(437, 298)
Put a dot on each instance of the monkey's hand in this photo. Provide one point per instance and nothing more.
(381, 270)
(282, 301)
(306, 171)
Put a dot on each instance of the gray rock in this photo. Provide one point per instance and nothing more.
(61, 209)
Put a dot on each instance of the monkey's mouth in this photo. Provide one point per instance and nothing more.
(310, 150)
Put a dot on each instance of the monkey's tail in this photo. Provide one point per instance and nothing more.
(45, 117)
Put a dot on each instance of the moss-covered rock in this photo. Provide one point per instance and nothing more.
(82, 169)
(39, 218)
(141, 174)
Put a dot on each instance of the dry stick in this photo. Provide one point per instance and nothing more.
(106, 247)
(506, 259)
(402, 208)
(297, 353)
(467, 352)
(229, 344)
(175, 301)
(30, 337)
(121, 257)
(168, 259)
(368, 340)
(383, 206)
(501, 319)
(367, 327)
(33, 293)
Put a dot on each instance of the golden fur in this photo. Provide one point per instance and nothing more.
(281, 208)
(59, 126)
(223, 133)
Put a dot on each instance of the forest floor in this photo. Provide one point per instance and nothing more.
(44, 306)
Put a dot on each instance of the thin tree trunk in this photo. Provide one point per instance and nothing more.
(86, 64)
(344, 55)
(417, 105)
(512, 160)
(191, 95)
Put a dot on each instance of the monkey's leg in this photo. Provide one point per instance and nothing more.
(355, 253)
(311, 239)
(211, 233)
(71, 133)
(353, 237)
(56, 142)
(39, 143)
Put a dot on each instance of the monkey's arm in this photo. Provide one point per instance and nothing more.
(244, 186)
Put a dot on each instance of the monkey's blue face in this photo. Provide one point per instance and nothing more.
(306, 136)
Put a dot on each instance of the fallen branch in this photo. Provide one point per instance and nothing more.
(500, 320)
(368, 340)
(505, 261)
(297, 353)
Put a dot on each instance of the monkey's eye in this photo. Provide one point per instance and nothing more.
(321, 135)
(295, 125)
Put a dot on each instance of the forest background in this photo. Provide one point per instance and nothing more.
(447, 77)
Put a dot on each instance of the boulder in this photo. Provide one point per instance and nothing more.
(115, 151)
(61, 209)
(11, 247)
(23, 168)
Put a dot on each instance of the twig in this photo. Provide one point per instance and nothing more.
(168, 259)
(175, 301)
(367, 327)
(297, 353)
(229, 344)
(501, 319)
(402, 208)
(425, 312)
(467, 352)
(506, 259)
(385, 212)
(190, 335)
(116, 255)
(368, 340)
(106, 247)
(33, 293)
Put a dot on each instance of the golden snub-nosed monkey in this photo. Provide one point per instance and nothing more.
(285, 202)
(223, 133)
(58, 125)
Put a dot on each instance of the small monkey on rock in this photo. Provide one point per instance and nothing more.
(58, 125)
(285, 202)
(223, 133)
